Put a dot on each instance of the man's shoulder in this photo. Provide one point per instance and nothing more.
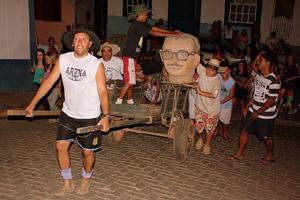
(65, 55)
(138, 25)
(117, 60)
(272, 78)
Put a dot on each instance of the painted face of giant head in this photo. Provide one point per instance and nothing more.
(180, 55)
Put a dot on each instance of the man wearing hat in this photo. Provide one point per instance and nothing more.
(113, 64)
(86, 103)
(137, 30)
(207, 103)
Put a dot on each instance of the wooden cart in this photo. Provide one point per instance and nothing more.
(172, 113)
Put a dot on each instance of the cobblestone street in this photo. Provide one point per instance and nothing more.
(142, 167)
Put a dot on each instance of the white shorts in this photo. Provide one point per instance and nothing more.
(129, 70)
(225, 115)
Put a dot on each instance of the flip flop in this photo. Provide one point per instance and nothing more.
(234, 157)
(264, 160)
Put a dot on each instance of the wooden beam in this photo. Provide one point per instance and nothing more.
(35, 113)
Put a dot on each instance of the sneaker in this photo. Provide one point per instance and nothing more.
(119, 101)
(84, 186)
(293, 111)
(130, 102)
(68, 187)
(206, 150)
(199, 143)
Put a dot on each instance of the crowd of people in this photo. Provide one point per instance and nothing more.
(287, 65)
(86, 70)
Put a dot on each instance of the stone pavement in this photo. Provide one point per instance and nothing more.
(142, 167)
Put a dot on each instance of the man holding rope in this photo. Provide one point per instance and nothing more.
(86, 100)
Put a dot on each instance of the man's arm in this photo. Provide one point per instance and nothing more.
(205, 94)
(158, 32)
(103, 96)
(44, 88)
(266, 105)
(230, 96)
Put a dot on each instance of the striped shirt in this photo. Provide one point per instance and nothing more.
(265, 88)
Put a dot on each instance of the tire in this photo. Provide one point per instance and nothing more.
(114, 138)
(183, 141)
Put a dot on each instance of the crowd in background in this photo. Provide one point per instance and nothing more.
(246, 46)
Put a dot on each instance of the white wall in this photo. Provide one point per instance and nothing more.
(115, 7)
(14, 23)
(295, 37)
(160, 9)
(266, 18)
(212, 10)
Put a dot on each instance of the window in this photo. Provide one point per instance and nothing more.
(48, 10)
(129, 4)
(242, 13)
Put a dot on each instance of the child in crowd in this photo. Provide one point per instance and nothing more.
(207, 103)
(226, 96)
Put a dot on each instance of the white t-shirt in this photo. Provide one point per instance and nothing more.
(212, 85)
(80, 86)
(113, 68)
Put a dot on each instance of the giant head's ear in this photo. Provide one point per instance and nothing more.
(196, 60)
(90, 44)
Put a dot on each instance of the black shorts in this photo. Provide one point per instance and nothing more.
(66, 131)
(262, 128)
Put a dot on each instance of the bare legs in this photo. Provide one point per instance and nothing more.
(127, 88)
(244, 137)
(269, 146)
(63, 157)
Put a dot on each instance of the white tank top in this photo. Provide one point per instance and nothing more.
(80, 87)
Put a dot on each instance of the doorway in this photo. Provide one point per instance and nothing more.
(185, 15)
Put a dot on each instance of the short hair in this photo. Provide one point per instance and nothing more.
(269, 57)
(184, 36)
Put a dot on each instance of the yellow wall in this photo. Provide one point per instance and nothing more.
(45, 29)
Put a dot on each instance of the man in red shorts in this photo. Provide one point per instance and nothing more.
(137, 30)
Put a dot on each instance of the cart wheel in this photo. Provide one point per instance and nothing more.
(184, 139)
(114, 138)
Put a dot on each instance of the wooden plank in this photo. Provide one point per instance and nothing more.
(114, 124)
(134, 111)
(131, 130)
(35, 113)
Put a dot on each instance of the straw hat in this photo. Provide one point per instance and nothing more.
(114, 48)
(69, 36)
(215, 63)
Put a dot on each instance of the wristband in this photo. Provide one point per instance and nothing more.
(105, 115)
